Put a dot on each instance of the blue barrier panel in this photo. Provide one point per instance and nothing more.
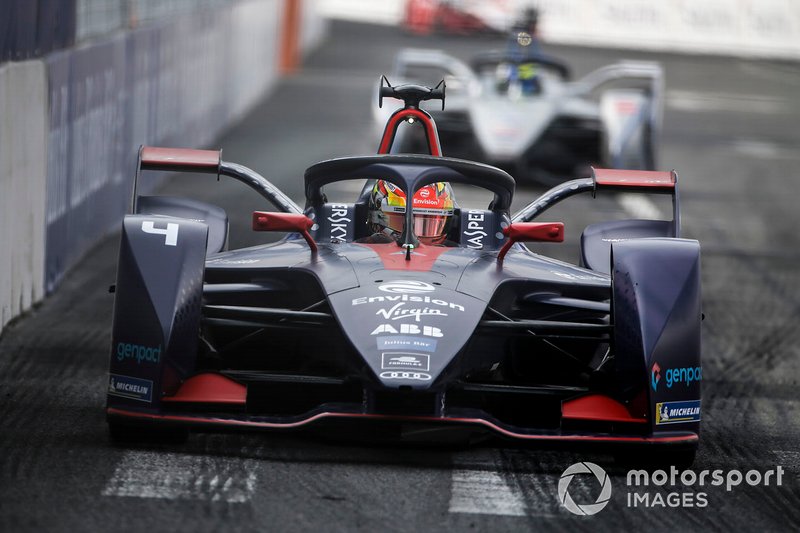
(88, 145)
(175, 83)
(33, 28)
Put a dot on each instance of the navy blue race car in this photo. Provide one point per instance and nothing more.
(406, 316)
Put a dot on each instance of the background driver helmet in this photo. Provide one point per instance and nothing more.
(433, 211)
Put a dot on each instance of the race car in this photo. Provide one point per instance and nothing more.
(517, 109)
(402, 313)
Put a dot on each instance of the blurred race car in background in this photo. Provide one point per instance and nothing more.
(521, 112)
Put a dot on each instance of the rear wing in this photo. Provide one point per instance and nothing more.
(611, 180)
(206, 162)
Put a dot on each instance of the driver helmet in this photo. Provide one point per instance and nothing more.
(433, 211)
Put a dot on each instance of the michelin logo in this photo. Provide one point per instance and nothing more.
(131, 388)
(677, 412)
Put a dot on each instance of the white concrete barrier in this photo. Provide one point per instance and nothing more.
(254, 47)
(23, 140)
(313, 25)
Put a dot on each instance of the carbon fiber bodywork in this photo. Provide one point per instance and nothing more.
(524, 346)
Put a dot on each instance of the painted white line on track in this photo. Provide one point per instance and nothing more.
(764, 149)
(153, 474)
(788, 459)
(484, 492)
(640, 206)
(724, 102)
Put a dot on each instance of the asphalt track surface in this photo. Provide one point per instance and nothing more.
(731, 130)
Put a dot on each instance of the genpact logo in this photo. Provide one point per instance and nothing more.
(655, 375)
(138, 353)
(685, 374)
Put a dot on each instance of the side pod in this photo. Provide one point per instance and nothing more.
(656, 312)
(156, 309)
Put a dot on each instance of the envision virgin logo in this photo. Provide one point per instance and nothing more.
(587, 508)
(406, 286)
(399, 312)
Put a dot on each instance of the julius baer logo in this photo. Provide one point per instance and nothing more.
(657, 489)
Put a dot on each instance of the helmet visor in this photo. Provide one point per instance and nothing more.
(424, 225)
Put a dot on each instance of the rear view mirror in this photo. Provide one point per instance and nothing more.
(531, 232)
(271, 221)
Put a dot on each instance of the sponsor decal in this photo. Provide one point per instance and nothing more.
(403, 341)
(406, 286)
(677, 412)
(673, 376)
(400, 312)
(414, 376)
(405, 361)
(339, 221)
(585, 509)
(131, 388)
(137, 352)
(655, 376)
(475, 228)
(408, 329)
(406, 298)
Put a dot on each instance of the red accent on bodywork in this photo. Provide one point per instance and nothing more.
(531, 232)
(626, 107)
(155, 158)
(684, 438)
(598, 407)
(394, 258)
(403, 114)
(535, 231)
(272, 221)
(634, 179)
(209, 388)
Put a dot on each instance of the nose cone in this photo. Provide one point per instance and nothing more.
(407, 331)
(505, 128)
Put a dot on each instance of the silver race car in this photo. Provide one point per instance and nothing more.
(522, 113)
